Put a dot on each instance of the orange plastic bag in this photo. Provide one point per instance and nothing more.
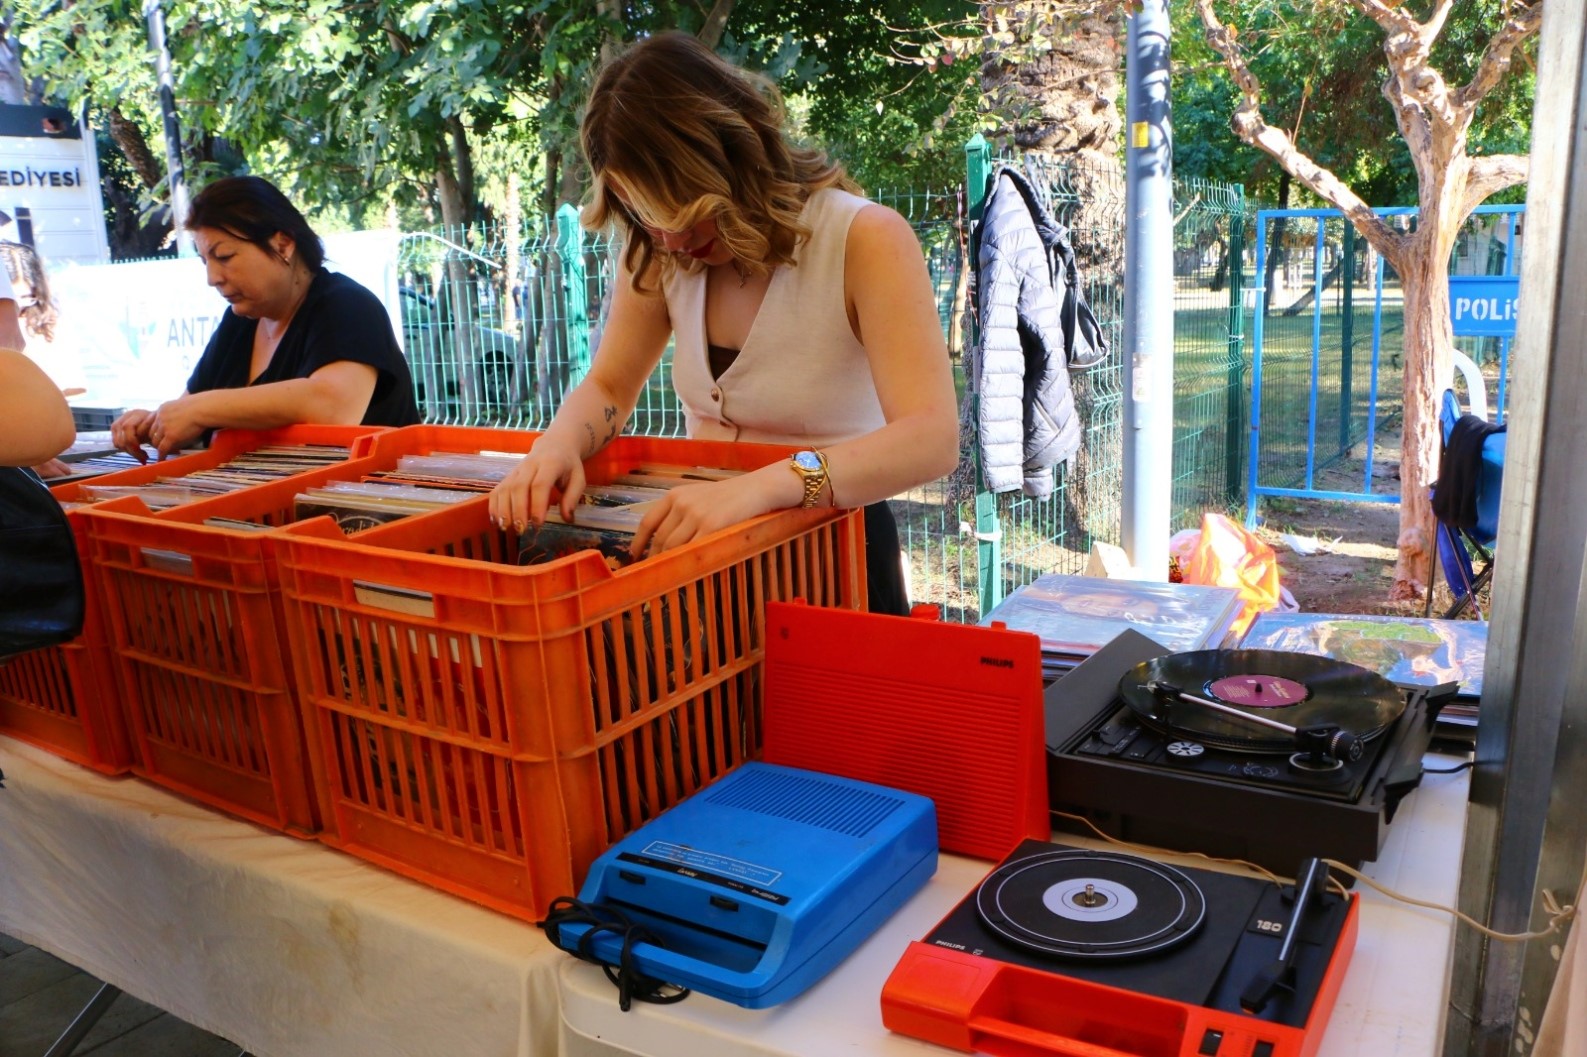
(1226, 555)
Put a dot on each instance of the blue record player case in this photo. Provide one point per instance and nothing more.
(760, 884)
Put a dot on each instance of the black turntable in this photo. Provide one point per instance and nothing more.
(1258, 755)
(1064, 950)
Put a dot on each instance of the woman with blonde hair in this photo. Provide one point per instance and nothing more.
(36, 305)
(800, 312)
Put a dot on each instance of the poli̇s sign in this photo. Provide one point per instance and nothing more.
(1484, 305)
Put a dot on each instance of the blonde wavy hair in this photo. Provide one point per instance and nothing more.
(674, 134)
(24, 265)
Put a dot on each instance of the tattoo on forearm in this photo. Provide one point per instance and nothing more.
(594, 445)
(609, 412)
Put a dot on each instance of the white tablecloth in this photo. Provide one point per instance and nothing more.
(289, 948)
(1392, 1003)
(283, 946)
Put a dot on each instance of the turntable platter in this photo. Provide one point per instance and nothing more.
(1296, 689)
(1085, 904)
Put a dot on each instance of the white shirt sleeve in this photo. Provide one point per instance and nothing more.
(6, 289)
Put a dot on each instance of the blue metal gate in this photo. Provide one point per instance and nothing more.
(1327, 326)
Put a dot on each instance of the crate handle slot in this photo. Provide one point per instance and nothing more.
(397, 599)
(168, 561)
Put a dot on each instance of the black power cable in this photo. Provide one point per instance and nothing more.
(630, 982)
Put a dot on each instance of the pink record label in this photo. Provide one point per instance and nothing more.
(1258, 691)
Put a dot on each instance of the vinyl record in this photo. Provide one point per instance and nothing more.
(1297, 689)
(1086, 904)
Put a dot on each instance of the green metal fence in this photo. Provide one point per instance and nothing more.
(498, 326)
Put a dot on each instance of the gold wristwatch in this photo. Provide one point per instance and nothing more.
(811, 466)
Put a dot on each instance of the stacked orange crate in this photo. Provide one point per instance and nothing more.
(66, 698)
(489, 728)
(195, 625)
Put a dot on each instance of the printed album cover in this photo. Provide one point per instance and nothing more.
(1077, 615)
(558, 539)
(1412, 650)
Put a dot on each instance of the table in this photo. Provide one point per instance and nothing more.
(283, 946)
(1392, 1003)
(289, 948)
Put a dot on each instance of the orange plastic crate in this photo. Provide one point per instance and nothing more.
(66, 698)
(490, 729)
(196, 641)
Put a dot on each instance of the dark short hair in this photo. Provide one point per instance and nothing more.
(254, 209)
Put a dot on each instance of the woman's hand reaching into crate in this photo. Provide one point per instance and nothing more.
(524, 495)
(694, 510)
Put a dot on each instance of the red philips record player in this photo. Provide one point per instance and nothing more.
(1096, 953)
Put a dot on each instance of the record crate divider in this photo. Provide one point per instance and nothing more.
(490, 729)
(194, 637)
(67, 698)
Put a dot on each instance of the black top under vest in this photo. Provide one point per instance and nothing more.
(884, 572)
(338, 320)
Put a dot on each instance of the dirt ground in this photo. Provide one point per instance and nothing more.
(1353, 569)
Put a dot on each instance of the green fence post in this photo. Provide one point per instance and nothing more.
(988, 534)
(575, 302)
(1347, 335)
(1235, 429)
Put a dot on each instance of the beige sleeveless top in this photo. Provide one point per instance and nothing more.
(801, 377)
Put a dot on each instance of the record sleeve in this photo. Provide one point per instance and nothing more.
(353, 513)
(1077, 615)
(1411, 650)
(557, 539)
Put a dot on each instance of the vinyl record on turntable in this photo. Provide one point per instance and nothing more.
(1086, 904)
(1295, 689)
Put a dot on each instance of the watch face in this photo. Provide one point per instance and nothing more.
(807, 460)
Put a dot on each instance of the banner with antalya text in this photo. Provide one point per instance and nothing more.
(130, 334)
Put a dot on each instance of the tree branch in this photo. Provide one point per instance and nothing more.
(1391, 18)
(715, 23)
(1415, 128)
(1408, 45)
(1435, 22)
(1490, 174)
(1249, 125)
(1496, 57)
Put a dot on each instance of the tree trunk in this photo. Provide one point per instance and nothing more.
(454, 298)
(1429, 339)
(126, 135)
(13, 88)
(1066, 102)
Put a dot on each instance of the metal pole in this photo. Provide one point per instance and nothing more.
(988, 536)
(1148, 295)
(1347, 337)
(1234, 429)
(84, 1022)
(1525, 830)
(576, 316)
(154, 17)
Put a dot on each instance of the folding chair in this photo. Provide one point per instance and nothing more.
(1465, 547)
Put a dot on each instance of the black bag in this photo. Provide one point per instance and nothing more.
(41, 581)
(1085, 342)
